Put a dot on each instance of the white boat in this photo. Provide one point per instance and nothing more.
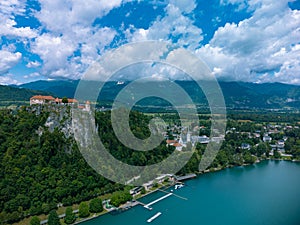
(154, 217)
(177, 186)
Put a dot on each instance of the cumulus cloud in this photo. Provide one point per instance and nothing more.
(32, 75)
(8, 60)
(8, 29)
(71, 42)
(185, 6)
(8, 79)
(262, 48)
(61, 15)
(33, 64)
(53, 50)
(174, 27)
(9, 7)
(8, 10)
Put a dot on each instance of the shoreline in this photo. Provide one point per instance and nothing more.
(198, 175)
(106, 212)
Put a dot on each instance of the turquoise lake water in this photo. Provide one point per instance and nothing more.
(264, 193)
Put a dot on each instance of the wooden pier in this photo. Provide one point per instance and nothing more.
(157, 200)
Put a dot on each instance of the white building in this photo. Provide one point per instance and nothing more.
(267, 138)
(40, 100)
(245, 146)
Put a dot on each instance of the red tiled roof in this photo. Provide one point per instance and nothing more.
(41, 97)
(72, 100)
(171, 141)
(177, 145)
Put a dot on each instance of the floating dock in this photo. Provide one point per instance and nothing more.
(154, 217)
(157, 200)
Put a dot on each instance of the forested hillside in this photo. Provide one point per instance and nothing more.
(14, 95)
(40, 169)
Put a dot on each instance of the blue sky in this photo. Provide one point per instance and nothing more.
(254, 41)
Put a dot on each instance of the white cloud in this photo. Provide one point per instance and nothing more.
(8, 60)
(53, 50)
(33, 64)
(186, 6)
(8, 29)
(174, 26)
(32, 75)
(95, 42)
(58, 52)
(262, 48)
(63, 15)
(6, 80)
(8, 10)
(72, 43)
(8, 7)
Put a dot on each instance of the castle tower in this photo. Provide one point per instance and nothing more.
(87, 106)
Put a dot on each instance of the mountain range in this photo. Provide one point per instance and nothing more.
(237, 95)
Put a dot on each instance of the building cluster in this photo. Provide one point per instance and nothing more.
(173, 179)
(265, 135)
(183, 135)
(50, 100)
(180, 136)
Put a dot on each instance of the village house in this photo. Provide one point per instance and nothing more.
(245, 146)
(86, 107)
(267, 138)
(174, 143)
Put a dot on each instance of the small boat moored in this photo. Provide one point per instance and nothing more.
(178, 186)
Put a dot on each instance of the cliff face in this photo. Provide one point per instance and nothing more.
(60, 119)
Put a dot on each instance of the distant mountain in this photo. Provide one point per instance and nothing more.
(15, 95)
(58, 87)
(237, 95)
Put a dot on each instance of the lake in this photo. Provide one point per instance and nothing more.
(264, 193)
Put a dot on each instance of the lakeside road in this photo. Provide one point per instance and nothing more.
(198, 176)
(248, 195)
(140, 197)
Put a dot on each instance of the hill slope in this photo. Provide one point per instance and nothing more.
(10, 95)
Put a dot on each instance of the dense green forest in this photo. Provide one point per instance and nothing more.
(14, 95)
(40, 169)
